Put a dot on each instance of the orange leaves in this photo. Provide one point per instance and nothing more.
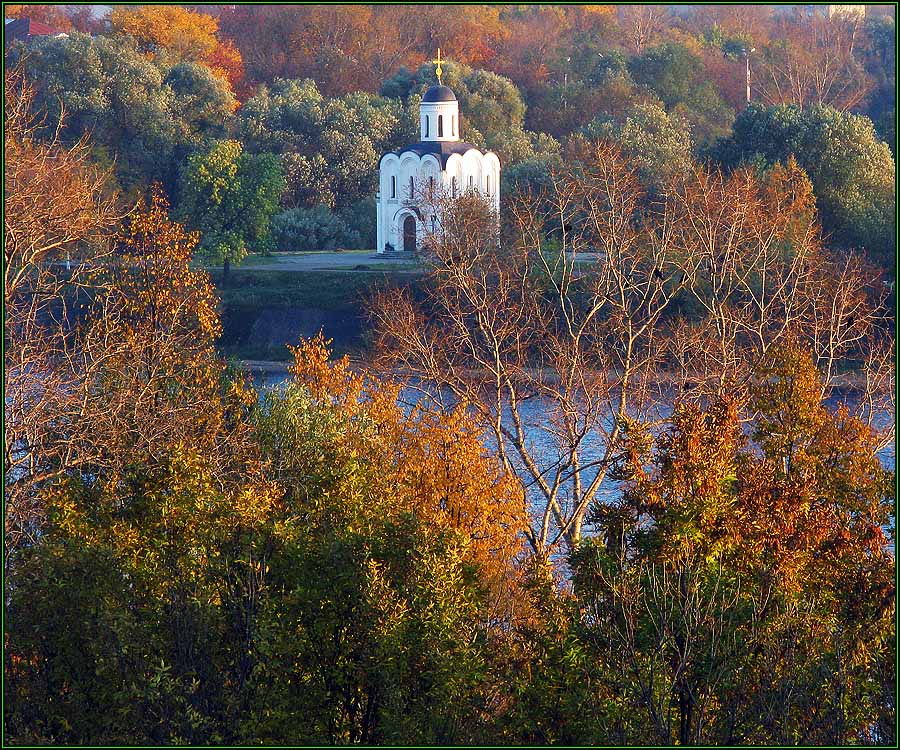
(804, 505)
(778, 527)
(159, 286)
(326, 379)
(816, 501)
(595, 19)
(432, 461)
(148, 373)
(789, 193)
(192, 36)
(226, 62)
(55, 16)
(444, 465)
(183, 34)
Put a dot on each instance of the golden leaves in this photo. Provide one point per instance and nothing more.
(158, 283)
(433, 462)
(183, 33)
(191, 35)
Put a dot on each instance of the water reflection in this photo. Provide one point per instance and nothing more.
(534, 414)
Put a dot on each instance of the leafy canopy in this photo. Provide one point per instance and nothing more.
(229, 196)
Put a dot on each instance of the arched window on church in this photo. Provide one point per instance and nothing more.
(440, 126)
(431, 186)
(393, 186)
(426, 126)
(487, 186)
(453, 126)
(471, 182)
(454, 187)
(412, 187)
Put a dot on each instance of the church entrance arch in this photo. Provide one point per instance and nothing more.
(409, 234)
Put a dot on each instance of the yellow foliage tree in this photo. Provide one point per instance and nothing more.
(190, 36)
(181, 34)
(434, 461)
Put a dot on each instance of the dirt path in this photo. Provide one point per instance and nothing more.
(348, 260)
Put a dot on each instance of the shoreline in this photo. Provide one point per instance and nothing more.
(281, 367)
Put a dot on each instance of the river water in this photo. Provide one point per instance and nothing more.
(534, 414)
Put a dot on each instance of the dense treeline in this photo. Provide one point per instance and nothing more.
(326, 90)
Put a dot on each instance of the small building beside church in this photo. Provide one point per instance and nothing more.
(439, 161)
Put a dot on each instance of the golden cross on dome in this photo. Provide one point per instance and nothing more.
(437, 70)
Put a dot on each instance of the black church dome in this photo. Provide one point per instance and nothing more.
(439, 94)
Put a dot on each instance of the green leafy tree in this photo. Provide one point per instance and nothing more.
(230, 196)
(606, 91)
(657, 143)
(312, 229)
(670, 70)
(147, 118)
(678, 77)
(530, 175)
(516, 146)
(559, 691)
(360, 219)
(489, 102)
(851, 168)
(879, 58)
(161, 572)
(203, 101)
(331, 146)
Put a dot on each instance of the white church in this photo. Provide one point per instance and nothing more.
(438, 162)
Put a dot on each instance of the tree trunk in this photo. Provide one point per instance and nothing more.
(226, 267)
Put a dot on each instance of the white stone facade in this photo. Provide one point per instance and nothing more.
(439, 162)
(439, 121)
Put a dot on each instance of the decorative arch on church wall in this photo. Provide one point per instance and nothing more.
(399, 226)
(401, 213)
(430, 171)
(430, 164)
(388, 167)
(490, 165)
(464, 166)
(409, 167)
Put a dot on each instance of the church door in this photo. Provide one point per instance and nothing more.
(409, 234)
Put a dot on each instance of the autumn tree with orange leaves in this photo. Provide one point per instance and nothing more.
(434, 461)
(58, 220)
(177, 34)
(738, 584)
(110, 337)
(52, 15)
(348, 48)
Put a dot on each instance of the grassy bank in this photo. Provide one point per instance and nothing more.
(263, 310)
